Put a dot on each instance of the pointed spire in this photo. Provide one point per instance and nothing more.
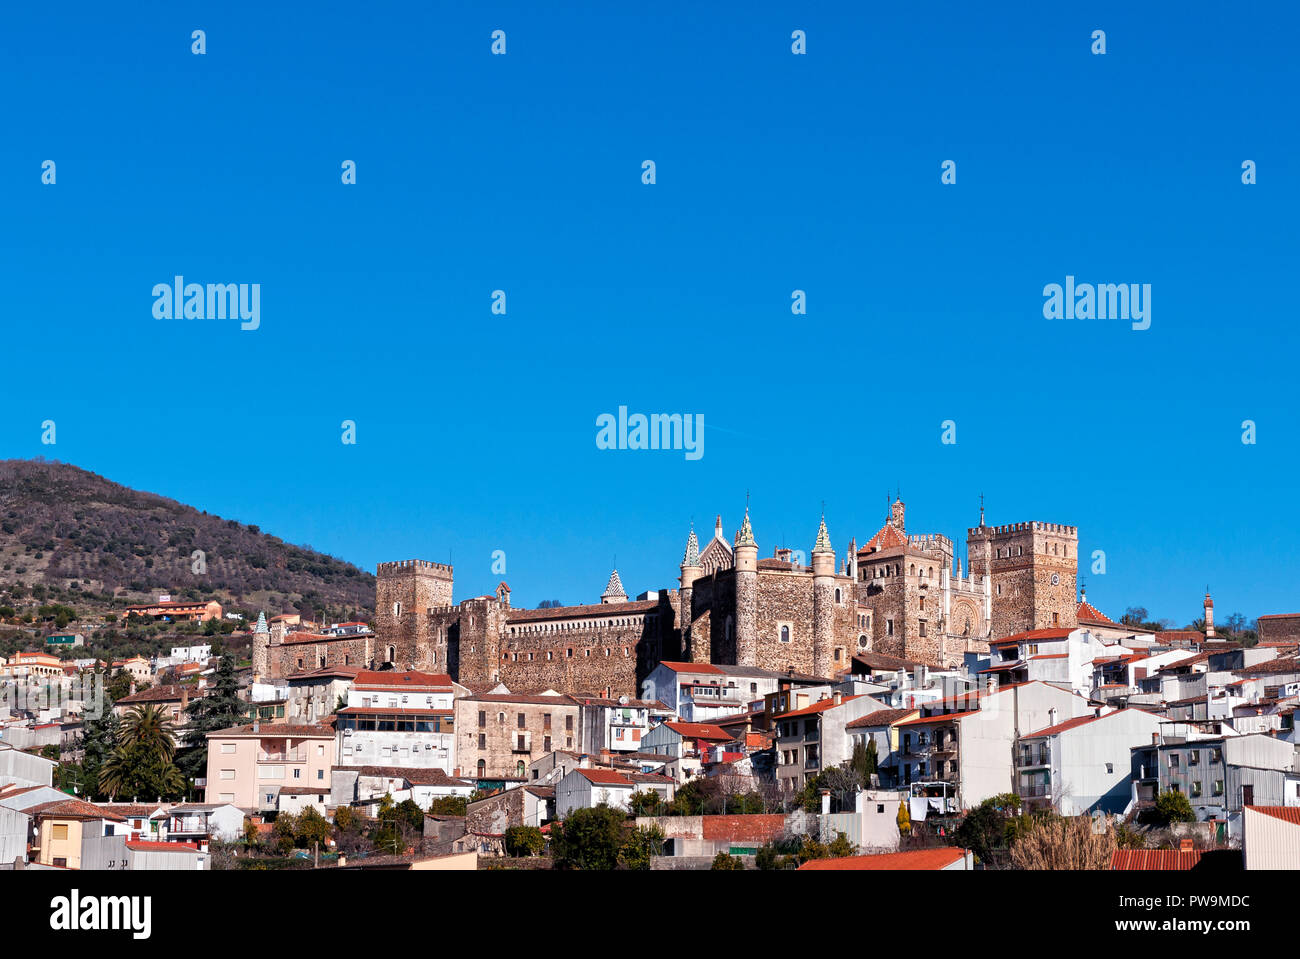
(261, 626)
(745, 537)
(823, 544)
(613, 589)
(692, 557)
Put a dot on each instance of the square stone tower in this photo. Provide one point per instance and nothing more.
(405, 591)
(1033, 568)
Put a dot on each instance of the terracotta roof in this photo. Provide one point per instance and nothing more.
(591, 609)
(1062, 727)
(1289, 814)
(1165, 859)
(414, 776)
(347, 672)
(818, 707)
(700, 731)
(882, 717)
(1088, 613)
(911, 860)
(691, 667)
(410, 679)
(72, 809)
(140, 845)
(274, 731)
(158, 694)
(603, 777)
(1164, 636)
(1288, 665)
(751, 828)
(888, 537)
(1032, 635)
(938, 718)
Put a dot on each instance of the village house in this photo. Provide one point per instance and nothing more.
(499, 733)
(401, 719)
(814, 738)
(247, 765)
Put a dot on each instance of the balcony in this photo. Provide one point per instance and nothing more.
(287, 756)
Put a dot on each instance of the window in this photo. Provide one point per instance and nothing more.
(1196, 788)
(1218, 787)
(59, 831)
(482, 768)
(482, 719)
(520, 723)
(227, 748)
(922, 626)
(1173, 761)
(785, 634)
(889, 627)
(227, 774)
(1110, 767)
(482, 741)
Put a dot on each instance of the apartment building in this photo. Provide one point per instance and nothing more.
(248, 765)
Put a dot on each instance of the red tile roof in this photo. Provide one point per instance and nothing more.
(1165, 859)
(72, 809)
(818, 707)
(887, 538)
(939, 858)
(411, 679)
(752, 828)
(1289, 814)
(141, 845)
(882, 717)
(603, 777)
(692, 667)
(1088, 613)
(1032, 635)
(700, 731)
(938, 718)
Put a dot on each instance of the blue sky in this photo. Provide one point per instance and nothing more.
(775, 172)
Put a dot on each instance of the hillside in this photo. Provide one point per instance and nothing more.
(70, 536)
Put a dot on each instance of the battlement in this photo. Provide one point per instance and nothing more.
(928, 541)
(1034, 527)
(406, 566)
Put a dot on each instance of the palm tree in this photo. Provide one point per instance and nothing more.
(141, 762)
(147, 729)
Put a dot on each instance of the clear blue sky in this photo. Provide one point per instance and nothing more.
(775, 172)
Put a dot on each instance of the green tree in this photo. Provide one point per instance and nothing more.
(638, 846)
(410, 814)
(647, 803)
(1171, 807)
(141, 763)
(589, 839)
(986, 828)
(725, 861)
(312, 828)
(524, 841)
(448, 806)
(221, 708)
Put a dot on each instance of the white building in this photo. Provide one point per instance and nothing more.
(1083, 765)
(966, 742)
(398, 719)
(586, 788)
(1063, 657)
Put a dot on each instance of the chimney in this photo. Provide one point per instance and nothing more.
(1185, 845)
(991, 685)
(584, 761)
(826, 802)
(1155, 739)
(185, 698)
(836, 699)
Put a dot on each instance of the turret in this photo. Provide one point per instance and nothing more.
(823, 567)
(745, 554)
(691, 571)
(1209, 615)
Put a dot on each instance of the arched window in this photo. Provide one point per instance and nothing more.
(838, 600)
(519, 769)
(392, 654)
(785, 634)
(397, 609)
(482, 768)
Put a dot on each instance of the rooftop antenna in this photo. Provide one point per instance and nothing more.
(981, 509)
